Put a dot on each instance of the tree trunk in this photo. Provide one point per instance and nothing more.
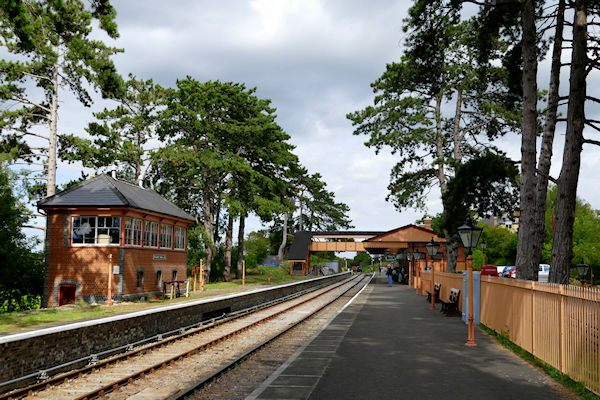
(526, 267)
(545, 158)
(228, 247)
(207, 210)
(300, 219)
(52, 138)
(217, 221)
(451, 251)
(451, 237)
(139, 162)
(439, 143)
(284, 238)
(240, 258)
(562, 251)
(456, 131)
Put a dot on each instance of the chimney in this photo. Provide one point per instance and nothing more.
(113, 171)
(427, 223)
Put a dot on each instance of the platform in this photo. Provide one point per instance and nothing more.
(389, 344)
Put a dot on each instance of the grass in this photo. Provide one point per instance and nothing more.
(15, 321)
(576, 387)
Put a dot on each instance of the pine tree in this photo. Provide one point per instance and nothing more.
(51, 49)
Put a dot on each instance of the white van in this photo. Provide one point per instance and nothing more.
(543, 273)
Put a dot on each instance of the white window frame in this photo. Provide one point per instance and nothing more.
(150, 233)
(130, 238)
(182, 236)
(95, 229)
(165, 234)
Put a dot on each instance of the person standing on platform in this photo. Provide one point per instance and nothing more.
(389, 274)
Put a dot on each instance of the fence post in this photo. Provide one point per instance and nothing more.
(561, 346)
(532, 287)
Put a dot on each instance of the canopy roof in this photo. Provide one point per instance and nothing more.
(391, 242)
(400, 239)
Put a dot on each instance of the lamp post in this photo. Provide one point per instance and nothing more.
(417, 255)
(432, 248)
(410, 276)
(469, 235)
(582, 270)
(483, 247)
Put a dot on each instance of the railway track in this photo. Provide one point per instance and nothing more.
(161, 370)
(248, 373)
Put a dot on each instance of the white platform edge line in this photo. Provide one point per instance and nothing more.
(257, 392)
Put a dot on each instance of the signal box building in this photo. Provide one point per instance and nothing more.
(105, 226)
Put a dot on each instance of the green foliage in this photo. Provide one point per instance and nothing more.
(317, 208)
(121, 135)
(501, 245)
(195, 246)
(437, 69)
(214, 132)
(586, 232)
(52, 45)
(362, 257)
(257, 246)
(485, 184)
(21, 279)
(321, 257)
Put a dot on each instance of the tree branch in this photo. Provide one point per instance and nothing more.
(41, 178)
(27, 101)
(35, 134)
(43, 228)
(589, 123)
(38, 76)
(597, 100)
(551, 179)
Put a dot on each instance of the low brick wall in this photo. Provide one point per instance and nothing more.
(25, 353)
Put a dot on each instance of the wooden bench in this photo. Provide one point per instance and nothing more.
(436, 290)
(450, 307)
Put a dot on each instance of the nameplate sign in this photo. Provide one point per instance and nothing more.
(159, 257)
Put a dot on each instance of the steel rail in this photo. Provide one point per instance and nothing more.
(22, 392)
(192, 388)
(170, 361)
(93, 360)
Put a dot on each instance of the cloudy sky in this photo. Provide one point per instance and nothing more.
(314, 59)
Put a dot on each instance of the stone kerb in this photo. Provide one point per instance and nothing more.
(30, 352)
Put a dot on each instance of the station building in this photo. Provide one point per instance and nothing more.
(105, 226)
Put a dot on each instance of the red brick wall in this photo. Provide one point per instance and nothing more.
(88, 266)
(142, 258)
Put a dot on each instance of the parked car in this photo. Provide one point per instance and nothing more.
(490, 270)
(543, 272)
(510, 272)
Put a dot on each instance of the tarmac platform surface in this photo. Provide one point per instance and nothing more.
(389, 344)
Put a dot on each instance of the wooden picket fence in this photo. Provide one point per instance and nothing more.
(447, 280)
(559, 324)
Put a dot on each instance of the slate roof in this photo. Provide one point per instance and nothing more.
(104, 191)
(299, 247)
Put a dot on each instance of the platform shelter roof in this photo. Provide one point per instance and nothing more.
(400, 239)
